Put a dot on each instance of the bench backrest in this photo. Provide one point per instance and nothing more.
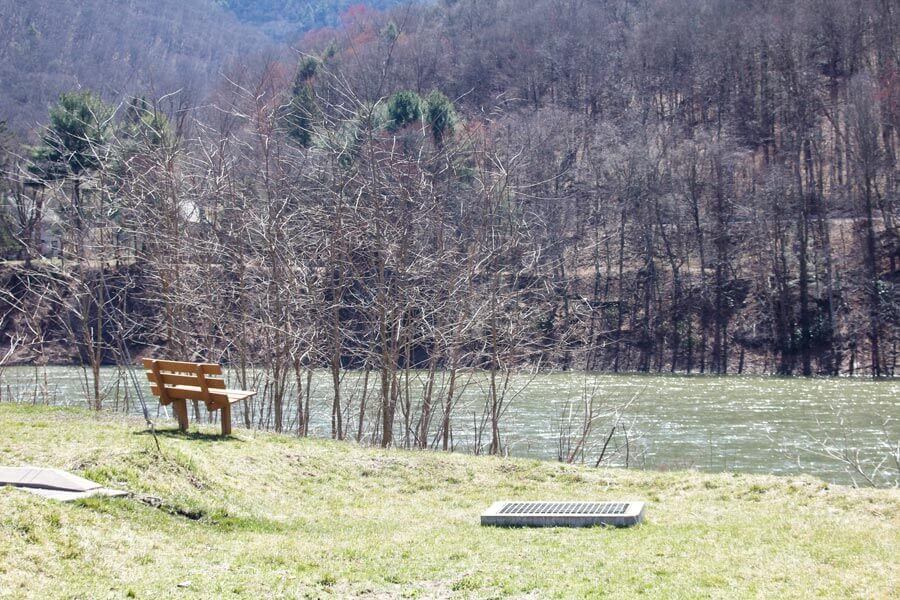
(174, 380)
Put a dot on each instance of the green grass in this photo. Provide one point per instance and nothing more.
(262, 515)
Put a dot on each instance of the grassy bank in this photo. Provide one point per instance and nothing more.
(262, 515)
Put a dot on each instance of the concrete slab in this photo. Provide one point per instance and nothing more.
(65, 496)
(563, 514)
(37, 477)
(53, 483)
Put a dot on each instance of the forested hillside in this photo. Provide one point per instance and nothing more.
(667, 185)
(286, 19)
(114, 47)
(707, 179)
(119, 47)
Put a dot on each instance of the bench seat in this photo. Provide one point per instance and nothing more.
(233, 395)
(216, 395)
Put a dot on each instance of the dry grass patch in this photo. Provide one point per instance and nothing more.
(262, 515)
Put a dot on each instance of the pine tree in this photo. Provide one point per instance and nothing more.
(404, 108)
(74, 141)
(301, 113)
(441, 116)
(72, 146)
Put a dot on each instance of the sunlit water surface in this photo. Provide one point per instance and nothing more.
(749, 424)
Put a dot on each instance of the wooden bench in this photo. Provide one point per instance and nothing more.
(177, 382)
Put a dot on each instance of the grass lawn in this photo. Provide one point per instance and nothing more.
(264, 516)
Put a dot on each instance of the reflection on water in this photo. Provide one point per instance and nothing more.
(753, 424)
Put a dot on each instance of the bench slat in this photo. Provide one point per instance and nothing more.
(173, 379)
(183, 367)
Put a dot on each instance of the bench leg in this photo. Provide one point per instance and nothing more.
(226, 419)
(181, 413)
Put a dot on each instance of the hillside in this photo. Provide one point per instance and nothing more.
(262, 515)
(285, 20)
(113, 47)
(118, 48)
(659, 186)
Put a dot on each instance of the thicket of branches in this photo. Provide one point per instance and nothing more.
(699, 187)
(301, 226)
(715, 181)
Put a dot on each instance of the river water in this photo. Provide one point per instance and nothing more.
(746, 424)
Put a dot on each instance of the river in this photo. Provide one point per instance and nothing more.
(744, 424)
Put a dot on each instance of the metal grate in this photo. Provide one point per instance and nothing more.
(563, 514)
(565, 508)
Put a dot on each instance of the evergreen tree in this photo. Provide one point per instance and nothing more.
(307, 70)
(441, 115)
(147, 126)
(73, 145)
(74, 141)
(300, 115)
(6, 144)
(404, 108)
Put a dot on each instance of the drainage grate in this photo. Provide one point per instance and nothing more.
(563, 514)
(565, 508)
